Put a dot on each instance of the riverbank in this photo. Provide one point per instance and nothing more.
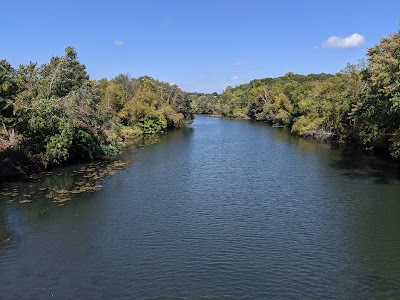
(357, 105)
(16, 165)
(323, 136)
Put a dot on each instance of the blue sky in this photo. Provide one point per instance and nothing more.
(201, 45)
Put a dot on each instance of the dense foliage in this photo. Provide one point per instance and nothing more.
(145, 104)
(54, 113)
(360, 104)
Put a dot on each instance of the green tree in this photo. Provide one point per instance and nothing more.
(58, 113)
(8, 89)
(377, 114)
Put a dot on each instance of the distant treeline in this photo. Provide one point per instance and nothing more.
(54, 113)
(360, 104)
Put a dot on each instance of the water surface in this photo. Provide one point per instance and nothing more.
(223, 209)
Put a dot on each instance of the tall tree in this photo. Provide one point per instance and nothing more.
(8, 89)
(378, 114)
(58, 112)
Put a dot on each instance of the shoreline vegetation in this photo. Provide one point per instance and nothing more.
(359, 106)
(54, 115)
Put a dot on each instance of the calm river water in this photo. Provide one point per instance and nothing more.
(223, 209)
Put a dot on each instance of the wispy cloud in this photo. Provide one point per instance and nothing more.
(353, 41)
(233, 78)
(119, 43)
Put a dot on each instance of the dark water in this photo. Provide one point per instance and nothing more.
(223, 210)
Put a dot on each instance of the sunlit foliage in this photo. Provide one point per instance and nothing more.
(54, 113)
(359, 105)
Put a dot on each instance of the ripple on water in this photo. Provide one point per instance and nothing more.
(222, 210)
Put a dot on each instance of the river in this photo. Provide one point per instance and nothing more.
(222, 209)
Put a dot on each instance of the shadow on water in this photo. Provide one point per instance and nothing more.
(376, 282)
(144, 141)
(44, 193)
(366, 166)
(353, 163)
(5, 235)
(66, 183)
(303, 144)
(61, 184)
(148, 140)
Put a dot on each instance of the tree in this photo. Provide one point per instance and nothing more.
(377, 114)
(8, 89)
(58, 113)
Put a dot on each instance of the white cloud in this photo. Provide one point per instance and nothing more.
(119, 43)
(352, 41)
(233, 78)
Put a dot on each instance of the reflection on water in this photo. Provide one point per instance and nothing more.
(5, 235)
(362, 165)
(61, 185)
(147, 140)
(42, 192)
(303, 144)
(356, 164)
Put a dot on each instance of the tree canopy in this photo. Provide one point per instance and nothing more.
(55, 113)
(360, 104)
